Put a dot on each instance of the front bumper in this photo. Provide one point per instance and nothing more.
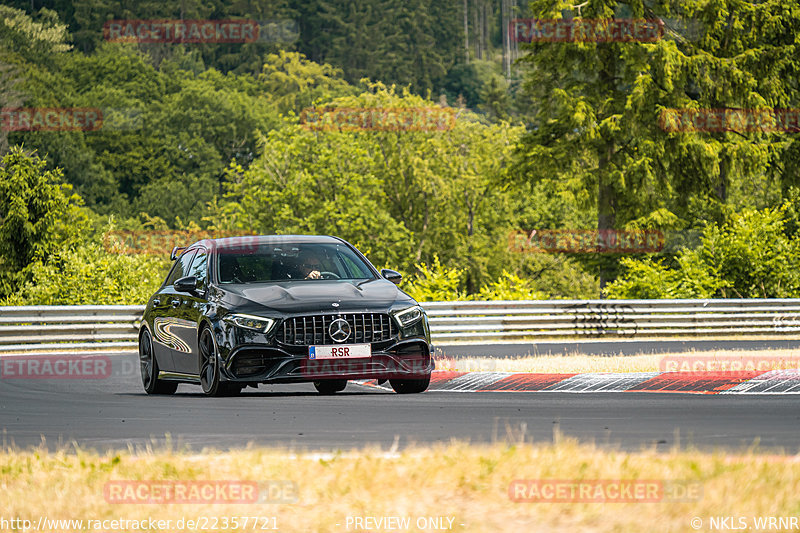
(264, 363)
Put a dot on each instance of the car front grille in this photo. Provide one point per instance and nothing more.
(314, 329)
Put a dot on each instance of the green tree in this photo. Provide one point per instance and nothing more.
(90, 275)
(469, 80)
(510, 287)
(434, 282)
(305, 184)
(445, 186)
(38, 216)
(598, 104)
(411, 43)
(295, 83)
(38, 41)
(495, 99)
(748, 256)
(26, 45)
(405, 195)
(167, 136)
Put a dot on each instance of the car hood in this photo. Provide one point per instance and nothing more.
(315, 296)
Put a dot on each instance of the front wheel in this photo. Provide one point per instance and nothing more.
(410, 386)
(210, 371)
(148, 365)
(330, 386)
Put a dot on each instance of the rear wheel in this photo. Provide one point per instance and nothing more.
(210, 371)
(149, 368)
(410, 386)
(330, 386)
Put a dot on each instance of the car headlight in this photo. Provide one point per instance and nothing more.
(408, 316)
(256, 323)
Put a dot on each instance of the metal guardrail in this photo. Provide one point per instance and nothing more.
(69, 327)
(112, 327)
(516, 320)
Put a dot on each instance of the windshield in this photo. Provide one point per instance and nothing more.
(291, 261)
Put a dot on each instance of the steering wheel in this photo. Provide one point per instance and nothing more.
(329, 275)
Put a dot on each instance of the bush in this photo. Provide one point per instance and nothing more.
(38, 216)
(434, 283)
(749, 256)
(89, 275)
(510, 287)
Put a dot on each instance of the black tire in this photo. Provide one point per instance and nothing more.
(209, 368)
(148, 366)
(410, 386)
(330, 386)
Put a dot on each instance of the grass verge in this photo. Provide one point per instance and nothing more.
(467, 483)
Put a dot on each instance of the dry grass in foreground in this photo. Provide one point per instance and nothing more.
(615, 363)
(465, 482)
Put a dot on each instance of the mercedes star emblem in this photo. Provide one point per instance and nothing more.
(339, 330)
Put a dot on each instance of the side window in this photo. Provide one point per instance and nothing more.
(199, 269)
(354, 271)
(181, 267)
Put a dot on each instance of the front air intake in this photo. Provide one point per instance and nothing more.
(315, 329)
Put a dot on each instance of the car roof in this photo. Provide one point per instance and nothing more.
(226, 242)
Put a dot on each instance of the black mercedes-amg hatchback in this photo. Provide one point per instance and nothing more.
(241, 311)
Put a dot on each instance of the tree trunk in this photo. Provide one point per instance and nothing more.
(722, 186)
(505, 21)
(476, 27)
(606, 196)
(471, 289)
(466, 31)
(487, 23)
(606, 203)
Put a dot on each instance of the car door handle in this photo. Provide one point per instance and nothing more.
(176, 302)
(156, 301)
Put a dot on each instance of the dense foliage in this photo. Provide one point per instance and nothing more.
(38, 216)
(214, 137)
(749, 256)
(88, 275)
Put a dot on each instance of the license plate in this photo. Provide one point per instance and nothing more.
(341, 351)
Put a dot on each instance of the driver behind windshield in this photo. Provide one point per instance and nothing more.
(310, 265)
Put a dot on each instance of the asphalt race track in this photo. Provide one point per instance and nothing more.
(114, 412)
(611, 347)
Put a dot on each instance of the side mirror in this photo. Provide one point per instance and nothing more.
(187, 284)
(392, 275)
